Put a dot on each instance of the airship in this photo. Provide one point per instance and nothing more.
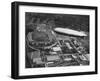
(68, 31)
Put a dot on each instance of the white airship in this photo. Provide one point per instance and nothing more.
(70, 32)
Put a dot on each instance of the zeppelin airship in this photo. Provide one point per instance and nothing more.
(68, 31)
